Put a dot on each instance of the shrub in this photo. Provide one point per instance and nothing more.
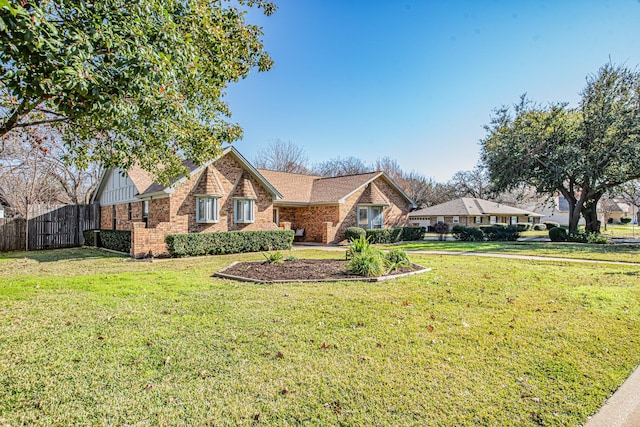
(467, 234)
(498, 233)
(523, 226)
(582, 236)
(486, 228)
(625, 220)
(393, 235)
(412, 233)
(610, 220)
(442, 229)
(273, 257)
(539, 227)
(228, 242)
(354, 232)
(89, 236)
(551, 224)
(116, 240)
(557, 234)
(501, 224)
(291, 258)
(357, 246)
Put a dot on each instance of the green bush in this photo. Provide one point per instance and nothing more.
(610, 220)
(523, 226)
(582, 236)
(89, 236)
(558, 234)
(116, 240)
(357, 246)
(625, 220)
(500, 224)
(397, 257)
(539, 227)
(467, 234)
(551, 224)
(353, 233)
(228, 242)
(442, 228)
(394, 235)
(412, 233)
(486, 228)
(499, 233)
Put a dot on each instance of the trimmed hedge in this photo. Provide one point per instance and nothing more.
(228, 242)
(116, 240)
(551, 224)
(393, 235)
(353, 233)
(625, 220)
(500, 233)
(539, 227)
(88, 237)
(467, 234)
(558, 234)
(523, 226)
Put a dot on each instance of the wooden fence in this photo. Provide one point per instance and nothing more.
(49, 227)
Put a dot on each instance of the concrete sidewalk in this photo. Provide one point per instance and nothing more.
(623, 408)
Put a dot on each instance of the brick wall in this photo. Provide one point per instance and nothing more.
(122, 216)
(311, 218)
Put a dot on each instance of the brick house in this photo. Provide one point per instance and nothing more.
(471, 212)
(228, 193)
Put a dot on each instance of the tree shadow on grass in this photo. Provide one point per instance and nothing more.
(55, 255)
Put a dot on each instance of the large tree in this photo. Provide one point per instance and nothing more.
(127, 82)
(580, 153)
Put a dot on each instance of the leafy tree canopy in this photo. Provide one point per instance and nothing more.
(128, 82)
(579, 152)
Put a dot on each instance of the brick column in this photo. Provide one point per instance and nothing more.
(285, 225)
(138, 234)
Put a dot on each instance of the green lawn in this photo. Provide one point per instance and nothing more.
(618, 252)
(88, 338)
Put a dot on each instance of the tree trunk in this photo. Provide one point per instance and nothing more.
(590, 214)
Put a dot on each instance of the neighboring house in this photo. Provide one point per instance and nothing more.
(325, 207)
(228, 193)
(557, 209)
(471, 212)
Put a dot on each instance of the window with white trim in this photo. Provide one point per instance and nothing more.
(243, 210)
(478, 220)
(456, 220)
(493, 219)
(370, 217)
(514, 220)
(440, 220)
(207, 209)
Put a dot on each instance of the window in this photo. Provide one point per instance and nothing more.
(456, 220)
(530, 220)
(206, 209)
(243, 210)
(145, 211)
(514, 220)
(276, 216)
(129, 212)
(370, 217)
(478, 220)
(440, 220)
(113, 217)
(493, 220)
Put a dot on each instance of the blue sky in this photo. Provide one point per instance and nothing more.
(417, 80)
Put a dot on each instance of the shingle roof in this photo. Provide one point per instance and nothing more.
(312, 189)
(467, 206)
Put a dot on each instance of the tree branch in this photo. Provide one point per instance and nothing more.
(40, 122)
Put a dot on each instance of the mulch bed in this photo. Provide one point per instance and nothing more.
(302, 269)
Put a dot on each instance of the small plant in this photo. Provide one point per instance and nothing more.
(273, 257)
(291, 258)
(359, 245)
(353, 233)
(368, 263)
(558, 234)
(396, 258)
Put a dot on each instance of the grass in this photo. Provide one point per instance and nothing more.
(88, 338)
(617, 252)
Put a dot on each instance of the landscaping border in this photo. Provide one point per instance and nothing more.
(223, 275)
